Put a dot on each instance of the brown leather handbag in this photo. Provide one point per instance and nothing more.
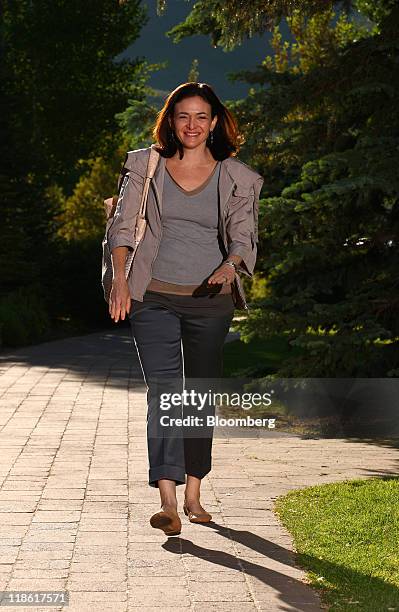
(110, 205)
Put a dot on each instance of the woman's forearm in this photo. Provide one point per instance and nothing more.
(119, 255)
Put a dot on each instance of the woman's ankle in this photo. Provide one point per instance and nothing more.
(170, 504)
(191, 498)
(192, 490)
(167, 492)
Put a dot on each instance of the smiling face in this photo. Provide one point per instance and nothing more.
(192, 121)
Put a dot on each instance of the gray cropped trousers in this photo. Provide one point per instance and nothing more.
(176, 336)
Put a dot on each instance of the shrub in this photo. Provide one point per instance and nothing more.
(23, 317)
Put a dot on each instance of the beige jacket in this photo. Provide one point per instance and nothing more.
(239, 189)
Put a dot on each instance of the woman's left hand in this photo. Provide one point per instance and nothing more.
(224, 274)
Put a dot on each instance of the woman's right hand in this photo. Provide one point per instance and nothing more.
(119, 299)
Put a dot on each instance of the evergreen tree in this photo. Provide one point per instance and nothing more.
(329, 234)
(61, 88)
(66, 86)
(229, 22)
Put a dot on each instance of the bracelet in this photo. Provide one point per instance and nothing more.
(231, 263)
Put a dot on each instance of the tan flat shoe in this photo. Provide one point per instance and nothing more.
(197, 517)
(169, 522)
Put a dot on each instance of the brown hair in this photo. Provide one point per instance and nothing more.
(226, 137)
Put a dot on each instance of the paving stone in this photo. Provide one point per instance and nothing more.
(51, 493)
(36, 584)
(158, 606)
(228, 607)
(93, 607)
(43, 574)
(86, 582)
(16, 518)
(216, 576)
(60, 504)
(50, 536)
(212, 592)
(44, 564)
(161, 596)
(105, 597)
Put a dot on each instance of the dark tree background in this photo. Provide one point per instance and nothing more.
(60, 92)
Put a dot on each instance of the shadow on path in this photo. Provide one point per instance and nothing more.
(296, 594)
(97, 355)
(110, 353)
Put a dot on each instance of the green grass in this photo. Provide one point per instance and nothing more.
(347, 537)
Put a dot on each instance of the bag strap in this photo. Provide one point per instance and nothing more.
(141, 222)
(151, 167)
(110, 203)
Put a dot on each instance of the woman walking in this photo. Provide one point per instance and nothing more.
(202, 213)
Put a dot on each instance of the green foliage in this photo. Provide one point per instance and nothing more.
(64, 82)
(16, 263)
(328, 146)
(256, 288)
(82, 214)
(375, 10)
(229, 22)
(259, 357)
(23, 317)
(137, 119)
(71, 275)
(193, 74)
(60, 152)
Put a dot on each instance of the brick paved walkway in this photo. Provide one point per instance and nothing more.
(75, 504)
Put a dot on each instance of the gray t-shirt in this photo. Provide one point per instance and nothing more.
(189, 250)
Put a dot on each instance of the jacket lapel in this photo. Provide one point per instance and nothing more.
(226, 184)
(157, 182)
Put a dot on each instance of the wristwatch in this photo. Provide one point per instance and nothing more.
(231, 263)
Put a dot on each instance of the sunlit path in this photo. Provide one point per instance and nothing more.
(75, 504)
